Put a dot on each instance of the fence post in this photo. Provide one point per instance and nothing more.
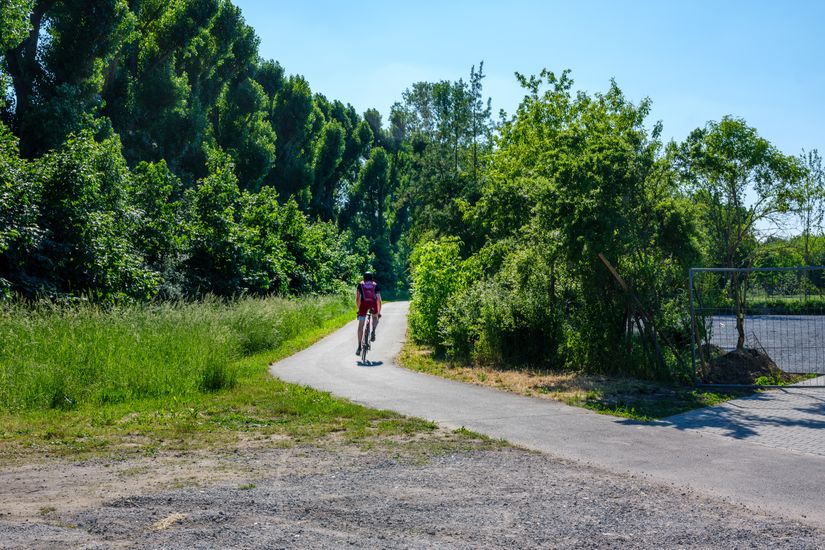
(692, 328)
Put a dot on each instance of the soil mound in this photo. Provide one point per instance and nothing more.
(742, 367)
(711, 352)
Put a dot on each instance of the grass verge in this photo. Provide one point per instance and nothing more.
(66, 357)
(625, 397)
(254, 409)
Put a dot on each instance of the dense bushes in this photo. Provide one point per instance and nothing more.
(78, 222)
(19, 197)
(506, 318)
(438, 276)
(86, 217)
(572, 176)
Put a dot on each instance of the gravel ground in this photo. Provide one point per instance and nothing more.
(333, 498)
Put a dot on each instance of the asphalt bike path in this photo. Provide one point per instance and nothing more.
(772, 479)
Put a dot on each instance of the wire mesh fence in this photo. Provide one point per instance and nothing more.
(759, 326)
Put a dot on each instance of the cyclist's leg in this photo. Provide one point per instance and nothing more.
(374, 326)
(361, 320)
(362, 316)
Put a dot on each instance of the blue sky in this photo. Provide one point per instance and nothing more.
(697, 60)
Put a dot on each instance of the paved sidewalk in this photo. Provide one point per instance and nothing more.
(777, 481)
(791, 418)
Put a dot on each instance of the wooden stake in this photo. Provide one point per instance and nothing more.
(647, 317)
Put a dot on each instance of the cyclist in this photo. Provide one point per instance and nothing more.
(367, 298)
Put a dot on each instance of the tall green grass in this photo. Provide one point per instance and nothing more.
(60, 357)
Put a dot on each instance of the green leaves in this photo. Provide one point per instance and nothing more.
(243, 242)
(160, 145)
(59, 71)
(19, 211)
(14, 22)
(436, 278)
(243, 130)
(86, 217)
(742, 181)
(293, 118)
(445, 132)
(327, 159)
(79, 222)
(573, 175)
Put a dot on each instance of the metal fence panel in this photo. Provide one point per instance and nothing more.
(782, 326)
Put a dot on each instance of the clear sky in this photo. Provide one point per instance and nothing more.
(698, 60)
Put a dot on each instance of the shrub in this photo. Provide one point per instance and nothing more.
(437, 276)
(19, 212)
(512, 319)
(87, 219)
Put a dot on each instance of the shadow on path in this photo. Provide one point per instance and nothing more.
(756, 416)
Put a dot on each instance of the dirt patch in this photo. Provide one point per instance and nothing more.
(64, 486)
(168, 521)
(326, 498)
(745, 366)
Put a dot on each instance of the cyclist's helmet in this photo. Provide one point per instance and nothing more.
(368, 275)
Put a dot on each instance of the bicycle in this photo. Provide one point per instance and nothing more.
(365, 345)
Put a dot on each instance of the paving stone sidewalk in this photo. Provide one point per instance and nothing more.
(790, 418)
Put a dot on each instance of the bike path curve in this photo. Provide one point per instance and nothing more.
(768, 479)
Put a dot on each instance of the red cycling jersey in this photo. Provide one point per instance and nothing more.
(369, 293)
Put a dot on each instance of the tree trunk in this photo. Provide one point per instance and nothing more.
(23, 68)
(807, 274)
(740, 311)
